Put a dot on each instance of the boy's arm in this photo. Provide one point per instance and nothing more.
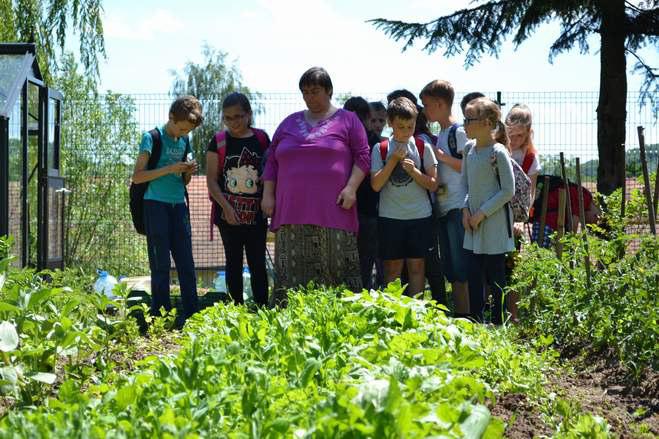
(428, 180)
(455, 164)
(142, 175)
(380, 178)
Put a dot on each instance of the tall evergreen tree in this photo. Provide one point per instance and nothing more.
(623, 28)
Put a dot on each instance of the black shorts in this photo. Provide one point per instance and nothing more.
(404, 239)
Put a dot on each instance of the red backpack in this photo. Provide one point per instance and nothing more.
(221, 140)
(529, 157)
(420, 147)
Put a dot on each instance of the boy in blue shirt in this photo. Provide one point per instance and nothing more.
(166, 215)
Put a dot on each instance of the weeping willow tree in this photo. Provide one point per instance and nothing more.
(210, 81)
(623, 28)
(49, 23)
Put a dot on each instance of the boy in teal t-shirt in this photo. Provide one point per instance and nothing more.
(166, 216)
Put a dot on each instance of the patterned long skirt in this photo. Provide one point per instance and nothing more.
(305, 253)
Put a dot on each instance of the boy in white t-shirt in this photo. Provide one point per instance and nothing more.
(437, 97)
(403, 170)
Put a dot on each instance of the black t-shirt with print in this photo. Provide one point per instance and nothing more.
(239, 181)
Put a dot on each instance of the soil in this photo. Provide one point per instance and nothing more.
(522, 419)
(606, 390)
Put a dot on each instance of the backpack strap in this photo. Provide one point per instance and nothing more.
(421, 148)
(262, 138)
(509, 225)
(529, 157)
(384, 147)
(188, 148)
(453, 141)
(221, 145)
(156, 149)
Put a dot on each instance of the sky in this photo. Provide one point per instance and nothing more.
(273, 42)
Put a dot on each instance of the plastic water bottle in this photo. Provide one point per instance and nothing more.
(220, 282)
(247, 285)
(105, 283)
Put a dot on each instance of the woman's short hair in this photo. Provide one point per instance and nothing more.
(317, 76)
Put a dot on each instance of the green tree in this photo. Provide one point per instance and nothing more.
(100, 135)
(623, 29)
(210, 82)
(50, 23)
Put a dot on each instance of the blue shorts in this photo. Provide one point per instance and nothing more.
(451, 246)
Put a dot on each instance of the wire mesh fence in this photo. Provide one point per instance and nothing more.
(101, 138)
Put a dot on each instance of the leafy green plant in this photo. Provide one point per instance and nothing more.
(617, 314)
(332, 364)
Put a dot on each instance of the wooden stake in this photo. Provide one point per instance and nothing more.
(582, 218)
(646, 181)
(560, 223)
(543, 212)
(566, 182)
(624, 194)
(656, 186)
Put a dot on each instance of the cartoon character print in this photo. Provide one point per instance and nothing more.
(242, 185)
(243, 178)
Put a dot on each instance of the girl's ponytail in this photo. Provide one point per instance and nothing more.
(500, 135)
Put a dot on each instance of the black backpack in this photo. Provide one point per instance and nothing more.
(453, 141)
(137, 190)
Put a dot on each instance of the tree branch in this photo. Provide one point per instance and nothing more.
(650, 87)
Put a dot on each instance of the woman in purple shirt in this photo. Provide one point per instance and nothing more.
(318, 158)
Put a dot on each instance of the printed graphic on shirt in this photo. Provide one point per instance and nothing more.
(399, 177)
(242, 188)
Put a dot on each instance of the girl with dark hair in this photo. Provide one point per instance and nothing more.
(234, 157)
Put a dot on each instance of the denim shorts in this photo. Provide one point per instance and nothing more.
(451, 246)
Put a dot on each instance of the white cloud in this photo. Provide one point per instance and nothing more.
(161, 22)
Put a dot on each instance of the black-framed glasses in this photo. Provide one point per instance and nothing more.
(234, 118)
(469, 120)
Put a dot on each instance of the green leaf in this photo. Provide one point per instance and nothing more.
(4, 306)
(125, 396)
(42, 377)
(8, 337)
(477, 422)
(311, 366)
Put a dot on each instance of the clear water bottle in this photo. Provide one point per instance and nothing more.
(105, 283)
(247, 285)
(220, 282)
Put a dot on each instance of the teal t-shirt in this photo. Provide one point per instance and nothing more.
(168, 188)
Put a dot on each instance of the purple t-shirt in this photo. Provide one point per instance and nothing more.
(310, 167)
